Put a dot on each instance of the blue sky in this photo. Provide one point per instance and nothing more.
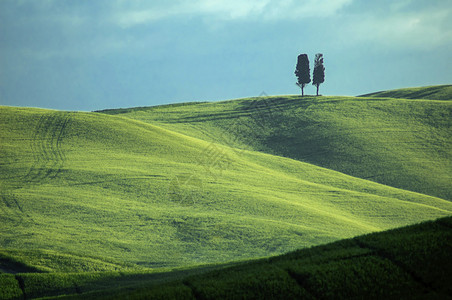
(89, 55)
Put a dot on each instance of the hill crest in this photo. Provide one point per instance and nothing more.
(436, 92)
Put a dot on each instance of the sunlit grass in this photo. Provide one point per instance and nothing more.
(157, 188)
(115, 188)
(398, 142)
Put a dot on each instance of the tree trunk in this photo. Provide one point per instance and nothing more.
(302, 91)
(317, 88)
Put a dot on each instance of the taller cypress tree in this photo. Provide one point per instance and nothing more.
(318, 75)
(302, 72)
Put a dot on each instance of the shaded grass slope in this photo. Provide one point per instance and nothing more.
(99, 284)
(438, 92)
(113, 189)
(404, 263)
(398, 142)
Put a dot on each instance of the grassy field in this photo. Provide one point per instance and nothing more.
(438, 92)
(403, 143)
(405, 263)
(135, 192)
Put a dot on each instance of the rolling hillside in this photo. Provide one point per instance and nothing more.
(406, 263)
(438, 92)
(398, 142)
(155, 188)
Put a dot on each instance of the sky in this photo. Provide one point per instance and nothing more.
(98, 54)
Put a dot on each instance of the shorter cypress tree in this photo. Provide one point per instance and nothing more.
(318, 75)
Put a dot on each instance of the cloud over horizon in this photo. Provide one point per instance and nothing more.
(132, 13)
(158, 51)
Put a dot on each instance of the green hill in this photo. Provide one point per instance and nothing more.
(113, 188)
(438, 92)
(398, 142)
(405, 263)
(132, 193)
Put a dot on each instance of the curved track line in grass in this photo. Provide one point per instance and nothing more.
(46, 147)
(48, 159)
(21, 283)
(196, 295)
(12, 207)
(301, 282)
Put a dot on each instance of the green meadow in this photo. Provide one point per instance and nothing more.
(405, 263)
(121, 197)
(405, 143)
(438, 92)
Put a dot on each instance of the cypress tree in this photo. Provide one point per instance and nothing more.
(318, 75)
(302, 72)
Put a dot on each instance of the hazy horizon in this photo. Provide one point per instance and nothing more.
(100, 54)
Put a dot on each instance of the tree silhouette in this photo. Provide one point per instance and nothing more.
(302, 72)
(318, 75)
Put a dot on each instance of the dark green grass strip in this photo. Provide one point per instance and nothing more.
(10, 287)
